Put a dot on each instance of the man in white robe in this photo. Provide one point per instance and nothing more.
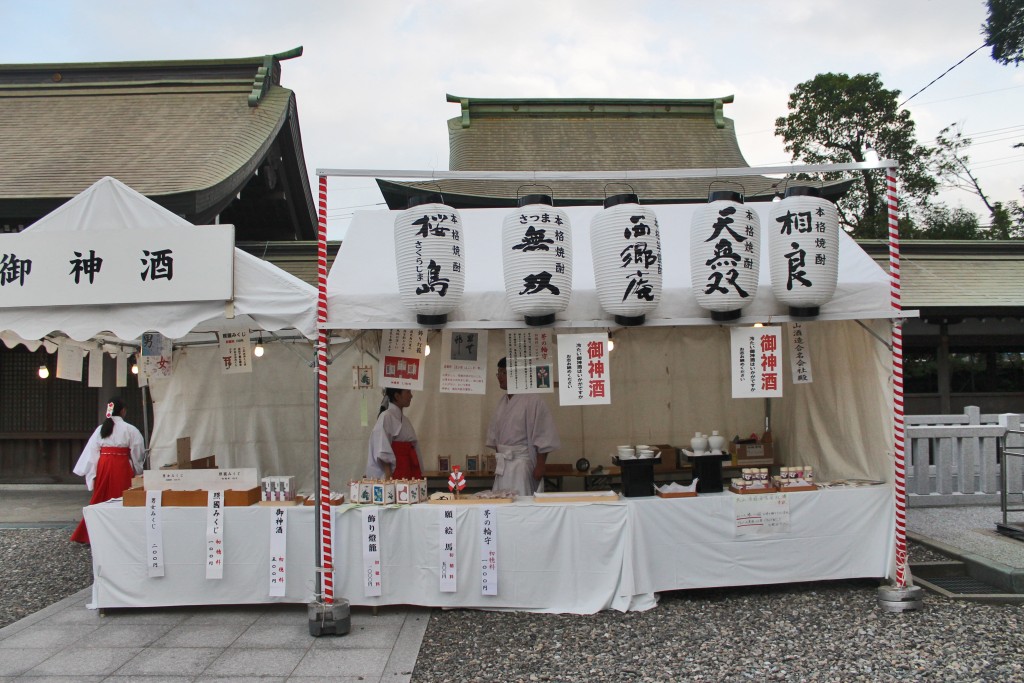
(523, 432)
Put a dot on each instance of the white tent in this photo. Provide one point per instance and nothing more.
(669, 377)
(263, 418)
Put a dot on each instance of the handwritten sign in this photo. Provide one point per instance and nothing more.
(449, 556)
(278, 546)
(215, 535)
(489, 550)
(371, 551)
(759, 514)
(154, 534)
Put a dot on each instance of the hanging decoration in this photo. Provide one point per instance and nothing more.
(804, 250)
(725, 255)
(626, 245)
(429, 255)
(536, 247)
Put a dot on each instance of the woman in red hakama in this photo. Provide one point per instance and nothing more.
(114, 454)
(393, 451)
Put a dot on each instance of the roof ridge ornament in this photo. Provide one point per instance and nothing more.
(265, 74)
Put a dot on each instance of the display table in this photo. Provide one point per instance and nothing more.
(575, 557)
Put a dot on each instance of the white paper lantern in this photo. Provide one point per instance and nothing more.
(536, 247)
(725, 255)
(429, 254)
(626, 245)
(803, 248)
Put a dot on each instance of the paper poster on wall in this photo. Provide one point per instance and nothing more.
(156, 356)
(760, 514)
(530, 357)
(756, 360)
(235, 352)
(583, 370)
(95, 368)
(69, 362)
(463, 362)
(401, 353)
(362, 377)
(799, 354)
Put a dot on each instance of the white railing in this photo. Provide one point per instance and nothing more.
(953, 459)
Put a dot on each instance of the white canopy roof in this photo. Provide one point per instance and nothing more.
(363, 289)
(265, 297)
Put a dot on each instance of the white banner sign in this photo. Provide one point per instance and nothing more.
(449, 555)
(154, 534)
(235, 352)
(156, 353)
(758, 514)
(371, 551)
(756, 357)
(278, 545)
(238, 479)
(215, 535)
(102, 267)
(463, 362)
(529, 358)
(95, 368)
(489, 550)
(799, 354)
(402, 356)
(584, 371)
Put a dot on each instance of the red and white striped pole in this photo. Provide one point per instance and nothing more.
(324, 473)
(900, 483)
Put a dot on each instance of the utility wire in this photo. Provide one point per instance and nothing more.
(941, 75)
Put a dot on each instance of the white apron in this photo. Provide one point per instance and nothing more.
(513, 470)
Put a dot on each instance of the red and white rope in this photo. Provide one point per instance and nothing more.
(324, 481)
(900, 482)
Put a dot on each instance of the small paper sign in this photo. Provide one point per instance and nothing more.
(402, 353)
(154, 534)
(362, 377)
(463, 362)
(278, 545)
(215, 535)
(756, 362)
(759, 514)
(584, 369)
(530, 361)
(449, 557)
(235, 352)
(489, 550)
(156, 352)
(371, 551)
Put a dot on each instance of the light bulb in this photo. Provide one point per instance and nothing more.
(758, 324)
(258, 351)
(44, 371)
(611, 345)
(135, 368)
(426, 350)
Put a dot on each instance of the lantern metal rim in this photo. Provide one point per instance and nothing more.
(725, 195)
(803, 191)
(528, 199)
(726, 316)
(539, 320)
(630, 320)
(804, 311)
(624, 198)
(433, 319)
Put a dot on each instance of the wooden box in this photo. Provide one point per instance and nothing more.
(669, 457)
(136, 497)
(677, 494)
(752, 454)
(763, 489)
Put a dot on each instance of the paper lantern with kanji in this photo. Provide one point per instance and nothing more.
(803, 248)
(536, 248)
(429, 255)
(626, 246)
(725, 255)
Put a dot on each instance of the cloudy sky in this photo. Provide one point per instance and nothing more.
(371, 83)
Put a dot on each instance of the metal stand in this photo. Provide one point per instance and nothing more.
(893, 599)
(329, 620)
(1003, 453)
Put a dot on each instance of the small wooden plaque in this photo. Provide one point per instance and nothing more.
(677, 494)
(763, 489)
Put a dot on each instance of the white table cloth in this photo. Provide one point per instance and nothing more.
(565, 558)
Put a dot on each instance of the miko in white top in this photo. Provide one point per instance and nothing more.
(124, 435)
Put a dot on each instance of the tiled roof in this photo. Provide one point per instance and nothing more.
(953, 275)
(593, 135)
(297, 258)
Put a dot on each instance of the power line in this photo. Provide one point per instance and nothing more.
(941, 75)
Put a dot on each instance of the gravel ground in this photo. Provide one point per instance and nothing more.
(799, 632)
(39, 567)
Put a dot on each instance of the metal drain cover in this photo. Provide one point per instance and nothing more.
(965, 585)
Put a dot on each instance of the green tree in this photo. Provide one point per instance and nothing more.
(837, 118)
(1004, 30)
(940, 222)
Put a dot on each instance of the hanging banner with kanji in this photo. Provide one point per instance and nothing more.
(235, 352)
(448, 554)
(401, 353)
(489, 550)
(278, 546)
(529, 357)
(799, 354)
(215, 535)
(756, 360)
(463, 362)
(371, 551)
(154, 534)
(584, 372)
(156, 352)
